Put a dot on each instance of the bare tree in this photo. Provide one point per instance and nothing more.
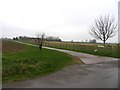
(104, 28)
(40, 39)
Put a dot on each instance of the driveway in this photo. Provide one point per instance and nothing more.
(97, 72)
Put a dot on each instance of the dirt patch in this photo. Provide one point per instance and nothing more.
(75, 60)
(8, 46)
(82, 56)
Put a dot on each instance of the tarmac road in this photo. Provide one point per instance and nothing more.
(104, 75)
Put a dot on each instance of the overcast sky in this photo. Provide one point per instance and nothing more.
(67, 19)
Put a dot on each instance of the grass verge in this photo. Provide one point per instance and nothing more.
(24, 62)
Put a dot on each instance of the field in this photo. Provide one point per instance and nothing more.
(20, 62)
(110, 50)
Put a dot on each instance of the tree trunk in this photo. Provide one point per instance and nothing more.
(40, 46)
(104, 42)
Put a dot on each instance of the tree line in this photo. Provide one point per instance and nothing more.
(48, 38)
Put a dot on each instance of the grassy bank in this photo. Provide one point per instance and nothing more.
(21, 62)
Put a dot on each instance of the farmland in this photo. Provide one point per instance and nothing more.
(110, 50)
(20, 62)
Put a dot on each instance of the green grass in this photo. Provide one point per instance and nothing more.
(31, 62)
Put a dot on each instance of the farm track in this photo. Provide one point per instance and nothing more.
(85, 58)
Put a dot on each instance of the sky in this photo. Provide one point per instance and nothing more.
(67, 19)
